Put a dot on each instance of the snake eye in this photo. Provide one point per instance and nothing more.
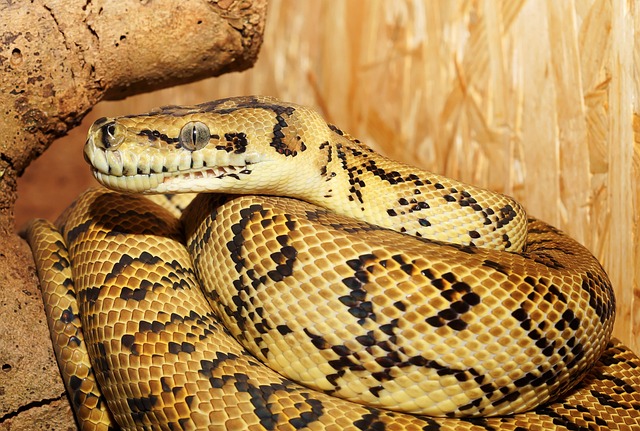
(109, 137)
(194, 135)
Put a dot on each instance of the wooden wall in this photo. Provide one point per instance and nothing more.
(537, 99)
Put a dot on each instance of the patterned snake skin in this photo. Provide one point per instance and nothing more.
(494, 322)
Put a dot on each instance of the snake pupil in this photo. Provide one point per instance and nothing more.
(194, 135)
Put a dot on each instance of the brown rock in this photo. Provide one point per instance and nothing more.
(57, 60)
(32, 395)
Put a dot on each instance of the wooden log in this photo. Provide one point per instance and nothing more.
(57, 60)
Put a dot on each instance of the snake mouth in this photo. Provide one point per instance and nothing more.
(192, 180)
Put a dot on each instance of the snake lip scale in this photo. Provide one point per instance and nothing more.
(163, 183)
(367, 284)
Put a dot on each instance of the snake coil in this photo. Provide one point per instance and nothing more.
(367, 285)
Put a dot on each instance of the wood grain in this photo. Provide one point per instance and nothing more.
(537, 99)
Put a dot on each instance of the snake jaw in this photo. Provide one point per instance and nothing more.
(193, 180)
(201, 180)
(155, 171)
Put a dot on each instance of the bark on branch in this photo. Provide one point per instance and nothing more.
(58, 58)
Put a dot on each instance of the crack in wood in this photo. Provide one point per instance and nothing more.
(31, 405)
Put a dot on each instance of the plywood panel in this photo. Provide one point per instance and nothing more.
(537, 99)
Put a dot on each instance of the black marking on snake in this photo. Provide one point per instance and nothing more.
(89, 295)
(279, 110)
(310, 411)
(140, 293)
(284, 329)
(184, 346)
(349, 360)
(102, 121)
(206, 323)
(621, 385)
(353, 172)
(417, 181)
(460, 374)
(335, 129)
(559, 420)
(285, 258)
(246, 102)
(499, 267)
(356, 301)
(80, 398)
(177, 274)
(370, 421)
(414, 204)
(155, 326)
(67, 316)
(358, 151)
(77, 230)
(572, 352)
(279, 136)
(464, 199)
(249, 279)
(132, 222)
(154, 135)
(392, 177)
(61, 263)
(128, 342)
(547, 259)
(140, 407)
(461, 299)
(236, 245)
(611, 360)
(408, 267)
(323, 168)
(374, 342)
(100, 362)
(604, 305)
(400, 305)
(234, 143)
(210, 209)
(355, 227)
(506, 216)
(75, 383)
(424, 222)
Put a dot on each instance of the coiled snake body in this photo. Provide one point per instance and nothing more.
(389, 288)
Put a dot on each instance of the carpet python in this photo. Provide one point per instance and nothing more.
(315, 284)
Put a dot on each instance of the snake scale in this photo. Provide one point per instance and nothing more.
(314, 284)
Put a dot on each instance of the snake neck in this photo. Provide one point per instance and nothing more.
(355, 181)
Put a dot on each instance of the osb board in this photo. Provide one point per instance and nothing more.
(537, 99)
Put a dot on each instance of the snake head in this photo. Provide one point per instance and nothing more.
(158, 154)
(239, 145)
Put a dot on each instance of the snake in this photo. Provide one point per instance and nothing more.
(304, 281)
